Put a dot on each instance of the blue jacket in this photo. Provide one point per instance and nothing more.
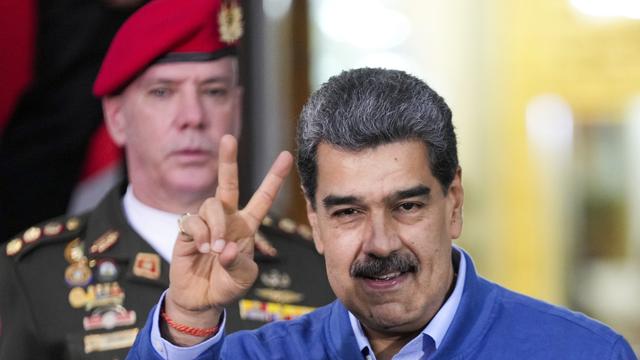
(491, 323)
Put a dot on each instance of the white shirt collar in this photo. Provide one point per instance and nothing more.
(437, 327)
(159, 228)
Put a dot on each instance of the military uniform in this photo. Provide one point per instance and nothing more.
(81, 287)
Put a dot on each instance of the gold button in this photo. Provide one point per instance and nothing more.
(32, 234)
(53, 228)
(287, 225)
(73, 223)
(14, 246)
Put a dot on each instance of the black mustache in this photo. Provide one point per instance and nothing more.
(375, 266)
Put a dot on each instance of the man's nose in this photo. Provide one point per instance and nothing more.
(191, 113)
(380, 237)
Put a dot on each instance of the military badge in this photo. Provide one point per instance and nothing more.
(279, 296)
(267, 311)
(110, 341)
(109, 318)
(274, 278)
(230, 21)
(74, 251)
(147, 265)
(77, 297)
(107, 270)
(104, 294)
(105, 242)
(78, 274)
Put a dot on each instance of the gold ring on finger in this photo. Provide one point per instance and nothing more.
(180, 221)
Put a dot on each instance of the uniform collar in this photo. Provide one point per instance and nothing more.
(109, 216)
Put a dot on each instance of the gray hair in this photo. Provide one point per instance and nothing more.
(364, 108)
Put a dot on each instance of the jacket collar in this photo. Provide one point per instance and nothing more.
(340, 337)
(475, 315)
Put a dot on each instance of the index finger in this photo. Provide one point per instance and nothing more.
(264, 197)
(228, 189)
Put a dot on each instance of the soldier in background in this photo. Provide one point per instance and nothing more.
(80, 287)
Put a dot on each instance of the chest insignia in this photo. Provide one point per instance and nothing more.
(106, 270)
(147, 265)
(275, 278)
(279, 296)
(268, 311)
(109, 318)
(105, 242)
(109, 341)
(98, 295)
(78, 274)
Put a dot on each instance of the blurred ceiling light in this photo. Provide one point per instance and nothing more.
(365, 24)
(550, 123)
(276, 9)
(608, 8)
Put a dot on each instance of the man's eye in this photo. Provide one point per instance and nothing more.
(215, 92)
(409, 206)
(160, 92)
(345, 212)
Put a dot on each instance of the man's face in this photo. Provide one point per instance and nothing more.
(385, 227)
(170, 120)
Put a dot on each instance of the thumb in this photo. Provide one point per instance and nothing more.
(240, 267)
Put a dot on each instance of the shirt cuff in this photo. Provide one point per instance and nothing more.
(169, 351)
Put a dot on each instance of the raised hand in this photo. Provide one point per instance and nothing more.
(212, 263)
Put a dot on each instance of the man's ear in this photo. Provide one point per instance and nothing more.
(114, 119)
(455, 200)
(312, 216)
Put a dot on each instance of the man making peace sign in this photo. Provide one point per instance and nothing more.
(378, 161)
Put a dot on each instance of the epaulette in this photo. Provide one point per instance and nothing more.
(47, 232)
(288, 226)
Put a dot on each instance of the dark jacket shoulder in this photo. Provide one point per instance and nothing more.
(58, 230)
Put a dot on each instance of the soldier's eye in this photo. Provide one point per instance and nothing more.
(160, 92)
(216, 91)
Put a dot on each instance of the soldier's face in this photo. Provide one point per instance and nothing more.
(384, 205)
(170, 120)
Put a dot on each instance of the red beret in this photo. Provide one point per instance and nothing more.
(169, 30)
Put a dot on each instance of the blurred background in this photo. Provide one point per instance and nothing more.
(546, 102)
